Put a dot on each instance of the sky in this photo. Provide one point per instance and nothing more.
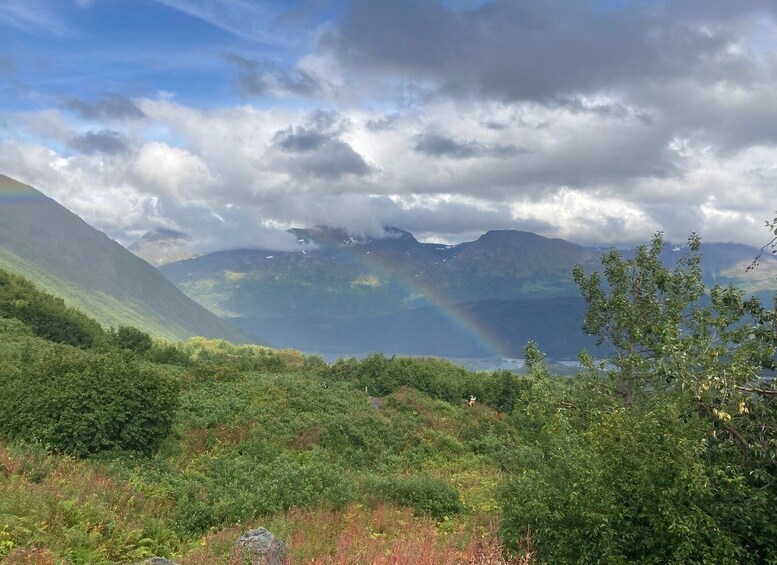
(598, 121)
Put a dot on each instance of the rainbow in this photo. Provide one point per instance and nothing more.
(430, 296)
(13, 193)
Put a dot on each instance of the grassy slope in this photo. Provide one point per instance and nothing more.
(102, 307)
(59, 252)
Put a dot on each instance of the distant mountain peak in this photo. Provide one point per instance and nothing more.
(159, 234)
(492, 236)
(392, 232)
(161, 246)
(329, 236)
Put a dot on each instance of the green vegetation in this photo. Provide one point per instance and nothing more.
(120, 447)
(48, 317)
(665, 453)
(82, 402)
(126, 447)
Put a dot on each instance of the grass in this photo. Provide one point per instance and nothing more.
(382, 535)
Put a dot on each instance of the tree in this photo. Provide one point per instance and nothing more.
(673, 432)
(667, 331)
(771, 245)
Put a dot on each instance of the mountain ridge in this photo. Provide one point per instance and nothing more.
(62, 254)
(343, 290)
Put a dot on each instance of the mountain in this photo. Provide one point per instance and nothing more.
(161, 246)
(61, 254)
(345, 294)
(340, 293)
(345, 277)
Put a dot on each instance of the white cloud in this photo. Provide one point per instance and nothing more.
(31, 15)
(172, 172)
(586, 174)
(255, 20)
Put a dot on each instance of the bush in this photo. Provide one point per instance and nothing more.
(167, 354)
(426, 496)
(83, 403)
(132, 339)
(46, 315)
(234, 487)
(618, 487)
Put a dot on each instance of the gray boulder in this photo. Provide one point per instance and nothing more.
(156, 561)
(261, 547)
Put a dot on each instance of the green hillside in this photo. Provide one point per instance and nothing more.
(62, 254)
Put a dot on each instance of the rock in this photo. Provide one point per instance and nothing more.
(156, 561)
(375, 402)
(261, 547)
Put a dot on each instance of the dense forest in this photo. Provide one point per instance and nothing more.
(116, 447)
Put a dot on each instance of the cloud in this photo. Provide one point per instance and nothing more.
(315, 149)
(108, 106)
(253, 20)
(599, 122)
(437, 144)
(172, 172)
(259, 78)
(104, 141)
(32, 15)
(383, 123)
(544, 51)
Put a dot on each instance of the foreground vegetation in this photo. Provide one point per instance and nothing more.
(116, 447)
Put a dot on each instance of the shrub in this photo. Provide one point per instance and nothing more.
(132, 339)
(46, 315)
(426, 496)
(82, 403)
(618, 487)
(233, 487)
(167, 354)
(437, 378)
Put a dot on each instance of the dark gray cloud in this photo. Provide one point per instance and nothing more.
(605, 109)
(104, 141)
(108, 106)
(435, 144)
(545, 50)
(300, 140)
(315, 149)
(256, 78)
